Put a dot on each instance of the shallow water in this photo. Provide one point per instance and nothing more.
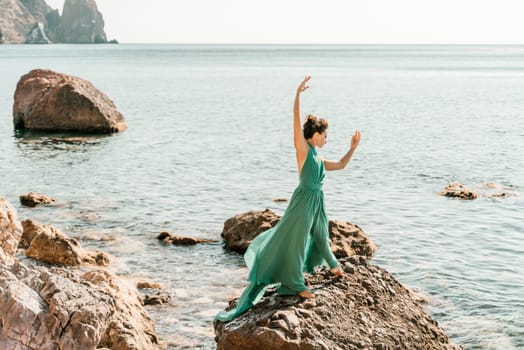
(210, 136)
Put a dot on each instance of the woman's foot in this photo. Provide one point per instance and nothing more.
(306, 294)
(337, 271)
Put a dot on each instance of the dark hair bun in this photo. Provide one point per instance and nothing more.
(313, 125)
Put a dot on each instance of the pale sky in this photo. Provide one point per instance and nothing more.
(313, 21)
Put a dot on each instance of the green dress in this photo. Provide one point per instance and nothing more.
(298, 243)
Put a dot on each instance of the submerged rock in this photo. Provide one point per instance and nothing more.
(33, 199)
(181, 240)
(346, 239)
(49, 101)
(366, 309)
(49, 244)
(156, 299)
(57, 308)
(457, 190)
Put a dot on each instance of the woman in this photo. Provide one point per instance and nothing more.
(300, 240)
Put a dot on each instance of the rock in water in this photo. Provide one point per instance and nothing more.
(49, 101)
(346, 239)
(33, 199)
(367, 309)
(458, 190)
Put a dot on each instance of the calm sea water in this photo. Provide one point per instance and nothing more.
(210, 136)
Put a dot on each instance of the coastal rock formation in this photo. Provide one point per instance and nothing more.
(346, 239)
(366, 309)
(458, 190)
(49, 101)
(49, 244)
(81, 22)
(167, 237)
(33, 199)
(37, 35)
(17, 17)
(55, 308)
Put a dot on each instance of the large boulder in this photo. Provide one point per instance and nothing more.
(82, 23)
(241, 229)
(49, 244)
(49, 101)
(366, 309)
(57, 309)
(346, 239)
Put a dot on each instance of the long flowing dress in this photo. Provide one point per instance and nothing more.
(298, 243)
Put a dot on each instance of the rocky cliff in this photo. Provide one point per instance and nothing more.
(80, 22)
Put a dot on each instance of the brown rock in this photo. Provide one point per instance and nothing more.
(280, 200)
(366, 309)
(241, 229)
(346, 239)
(156, 299)
(457, 190)
(49, 244)
(130, 327)
(32, 199)
(10, 232)
(148, 285)
(180, 240)
(49, 101)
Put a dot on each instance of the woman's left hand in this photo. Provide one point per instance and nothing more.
(355, 139)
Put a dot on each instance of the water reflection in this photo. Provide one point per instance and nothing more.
(39, 145)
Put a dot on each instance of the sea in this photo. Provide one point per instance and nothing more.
(210, 136)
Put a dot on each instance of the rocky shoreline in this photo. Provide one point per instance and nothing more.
(65, 298)
(53, 306)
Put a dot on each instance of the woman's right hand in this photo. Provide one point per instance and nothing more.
(302, 87)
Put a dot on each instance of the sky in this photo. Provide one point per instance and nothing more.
(313, 21)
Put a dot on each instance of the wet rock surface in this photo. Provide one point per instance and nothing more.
(49, 101)
(346, 239)
(167, 237)
(365, 309)
(33, 199)
(474, 191)
(457, 190)
(49, 244)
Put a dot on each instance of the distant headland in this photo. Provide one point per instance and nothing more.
(35, 22)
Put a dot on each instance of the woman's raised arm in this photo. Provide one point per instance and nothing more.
(299, 140)
(341, 164)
